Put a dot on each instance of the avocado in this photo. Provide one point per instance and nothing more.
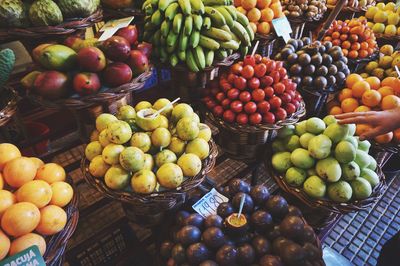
(13, 14)
(45, 13)
(77, 8)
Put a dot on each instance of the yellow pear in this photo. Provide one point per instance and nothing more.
(390, 30)
(393, 19)
(381, 16)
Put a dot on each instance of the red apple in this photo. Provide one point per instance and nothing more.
(225, 87)
(280, 114)
(117, 48)
(218, 110)
(138, 62)
(51, 85)
(229, 116)
(258, 95)
(253, 83)
(130, 33)
(266, 81)
(233, 94)
(292, 94)
(250, 107)
(269, 118)
(255, 119)
(240, 83)
(146, 48)
(275, 102)
(249, 60)
(226, 103)
(279, 88)
(117, 74)
(269, 92)
(245, 96)
(91, 59)
(296, 103)
(220, 96)
(263, 107)
(242, 119)
(86, 83)
(236, 106)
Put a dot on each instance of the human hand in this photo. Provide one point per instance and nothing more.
(381, 121)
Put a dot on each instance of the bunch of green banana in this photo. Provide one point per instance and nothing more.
(195, 32)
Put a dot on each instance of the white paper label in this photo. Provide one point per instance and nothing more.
(282, 28)
(209, 203)
(112, 26)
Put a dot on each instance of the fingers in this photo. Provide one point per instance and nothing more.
(356, 120)
(349, 115)
(373, 133)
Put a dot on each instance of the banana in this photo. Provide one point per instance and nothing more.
(154, 2)
(199, 57)
(197, 6)
(230, 45)
(221, 54)
(173, 60)
(185, 6)
(197, 21)
(207, 23)
(209, 54)
(163, 41)
(183, 41)
(171, 49)
(156, 38)
(177, 23)
(250, 32)
(148, 26)
(187, 28)
(244, 50)
(217, 18)
(194, 38)
(232, 10)
(171, 11)
(214, 2)
(182, 55)
(208, 43)
(242, 19)
(165, 27)
(164, 4)
(227, 16)
(241, 32)
(146, 3)
(172, 39)
(229, 51)
(227, 29)
(148, 10)
(163, 55)
(190, 62)
(156, 18)
(217, 34)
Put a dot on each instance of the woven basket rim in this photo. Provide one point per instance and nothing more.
(389, 147)
(373, 57)
(304, 20)
(329, 205)
(164, 197)
(11, 107)
(353, 9)
(387, 37)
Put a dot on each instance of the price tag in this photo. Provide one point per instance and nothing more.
(28, 257)
(209, 203)
(282, 28)
(113, 26)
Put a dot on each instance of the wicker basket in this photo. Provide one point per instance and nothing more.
(110, 13)
(67, 27)
(326, 204)
(356, 64)
(266, 45)
(157, 202)
(246, 142)
(352, 9)
(315, 101)
(106, 97)
(10, 101)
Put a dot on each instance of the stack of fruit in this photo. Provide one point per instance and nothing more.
(385, 66)
(194, 31)
(87, 67)
(304, 9)
(17, 13)
(260, 13)
(355, 4)
(314, 65)
(362, 95)
(146, 150)
(254, 91)
(384, 19)
(268, 232)
(354, 36)
(32, 197)
(325, 160)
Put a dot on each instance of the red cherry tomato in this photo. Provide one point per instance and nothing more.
(240, 83)
(271, 66)
(249, 60)
(226, 87)
(210, 104)
(282, 71)
(266, 81)
(286, 98)
(218, 110)
(245, 96)
(233, 94)
(253, 83)
(290, 108)
(279, 64)
(263, 107)
(237, 106)
(269, 92)
(255, 119)
(226, 103)
(275, 102)
(250, 107)
(279, 88)
(242, 119)
(248, 72)
(236, 69)
(258, 95)
(275, 75)
(280, 114)
(260, 70)
(229, 116)
(269, 118)
(231, 78)
(220, 96)
(257, 58)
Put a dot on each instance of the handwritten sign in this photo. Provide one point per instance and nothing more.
(282, 28)
(28, 257)
(209, 203)
(112, 26)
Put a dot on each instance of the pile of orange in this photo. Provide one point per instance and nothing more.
(354, 36)
(260, 13)
(368, 94)
(32, 197)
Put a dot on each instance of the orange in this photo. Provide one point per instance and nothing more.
(7, 199)
(1, 181)
(353, 79)
(37, 192)
(355, 46)
(396, 135)
(241, 10)
(264, 28)
(52, 220)
(373, 82)
(51, 172)
(4, 245)
(335, 110)
(335, 35)
(385, 138)
(349, 105)
(371, 98)
(363, 53)
(62, 194)
(254, 15)
(249, 4)
(19, 171)
(345, 52)
(20, 219)
(23, 242)
(359, 88)
(362, 128)
(362, 108)
(364, 45)
(253, 26)
(344, 94)
(385, 91)
(390, 102)
(267, 15)
(39, 163)
(277, 8)
(389, 81)
(353, 54)
(261, 4)
(7, 153)
(346, 45)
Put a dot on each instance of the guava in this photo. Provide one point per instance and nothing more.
(111, 153)
(142, 105)
(301, 128)
(364, 145)
(302, 158)
(315, 125)
(361, 188)
(281, 161)
(163, 121)
(199, 147)
(143, 182)
(295, 176)
(196, 118)
(278, 145)
(98, 167)
(132, 159)
(116, 177)
(93, 149)
(292, 142)
(180, 111)
(187, 129)
(320, 146)
(170, 175)
(362, 159)
(94, 135)
(204, 132)
(177, 146)
(103, 138)
(285, 131)
(305, 139)
(148, 162)
(103, 120)
(161, 137)
(329, 169)
(160, 103)
(336, 132)
(119, 132)
(370, 176)
(345, 152)
(372, 163)
(141, 140)
(353, 140)
(314, 187)
(165, 156)
(147, 119)
(126, 113)
(350, 171)
(329, 119)
(190, 164)
(340, 191)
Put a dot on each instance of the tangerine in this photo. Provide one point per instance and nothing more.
(353, 54)
(353, 79)
(19, 171)
(264, 28)
(1, 181)
(37, 192)
(267, 15)
(249, 4)
(346, 45)
(385, 91)
(20, 219)
(23, 242)
(390, 102)
(51, 172)
(62, 194)
(362, 108)
(359, 88)
(7, 199)
(384, 138)
(7, 153)
(4, 245)
(39, 163)
(336, 110)
(254, 15)
(52, 220)
(345, 93)
(349, 105)
(374, 82)
(261, 4)
(371, 98)
(362, 128)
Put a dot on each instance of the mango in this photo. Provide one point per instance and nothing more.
(58, 57)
